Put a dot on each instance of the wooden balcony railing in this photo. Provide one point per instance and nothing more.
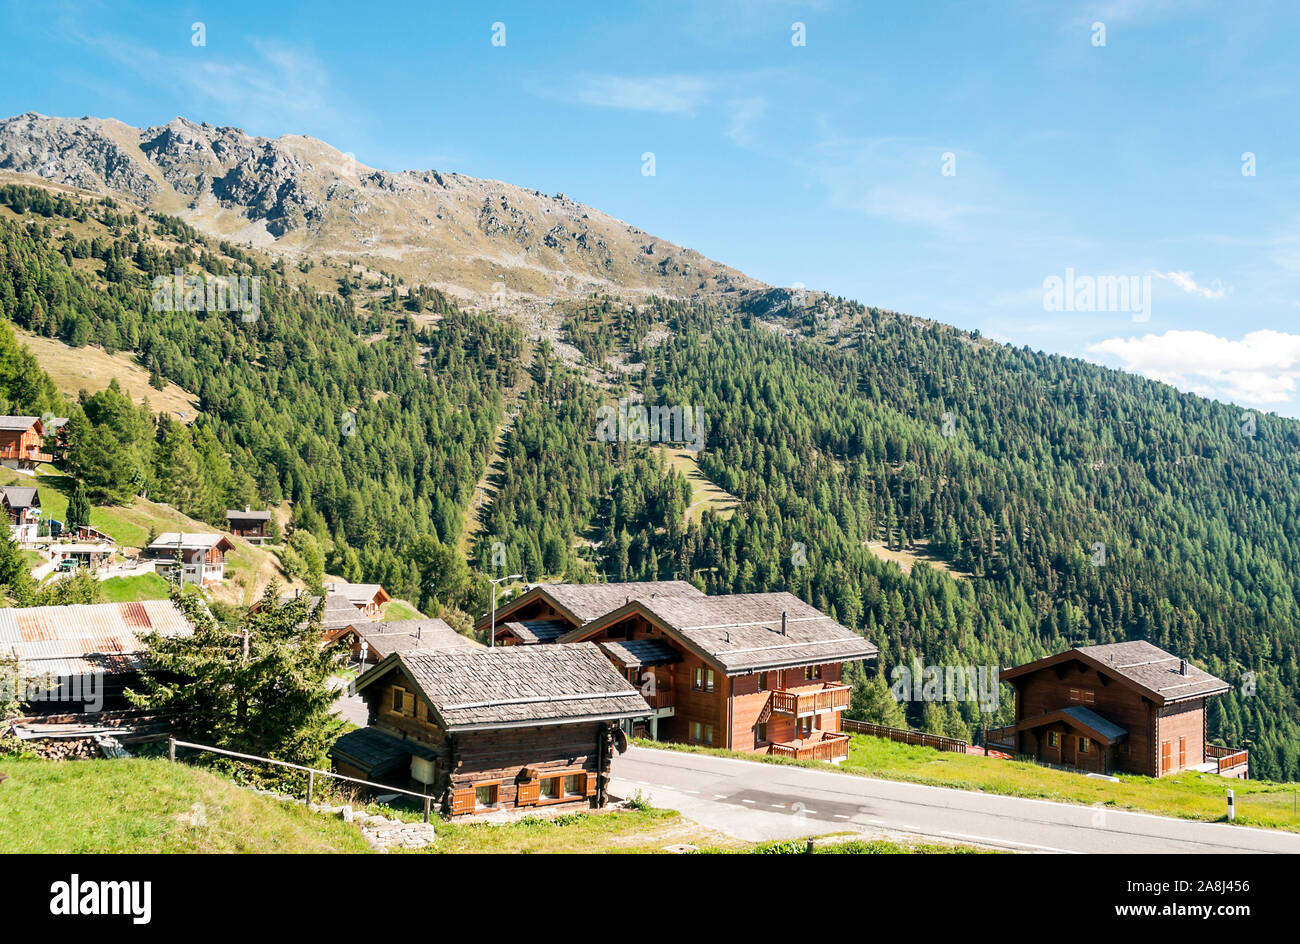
(24, 455)
(1227, 757)
(663, 698)
(905, 736)
(828, 747)
(801, 702)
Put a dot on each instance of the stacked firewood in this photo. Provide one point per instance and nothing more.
(66, 749)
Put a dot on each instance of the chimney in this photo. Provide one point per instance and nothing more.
(247, 509)
(1182, 666)
(783, 623)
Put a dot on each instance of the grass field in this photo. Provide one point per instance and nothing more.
(131, 589)
(90, 368)
(1187, 795)
(138, 805)
(705, 496)
(401, 610)
(149, 805)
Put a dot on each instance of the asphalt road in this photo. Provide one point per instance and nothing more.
(756, 802)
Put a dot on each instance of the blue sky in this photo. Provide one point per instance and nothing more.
(821, 164)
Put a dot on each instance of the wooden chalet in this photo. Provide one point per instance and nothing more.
(492, 728)
(1127, 706)
(757, 672)
(23, 506)
(544, 613)
(202, 556)
(22, 442)
(253, 526)
(368, 599)
(371, 643)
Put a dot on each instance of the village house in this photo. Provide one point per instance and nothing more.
(544, 613)
(22, 442)
(755, 672)
(80, 658)
(371, 643)
(23, 505)
(513, 727)
(92, 555)
(203, 556)
(253, 526)
(368, 599)
(1126, 706)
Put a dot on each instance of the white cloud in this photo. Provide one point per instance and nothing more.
(665, 94)
(1188, 284)
(1263, 367)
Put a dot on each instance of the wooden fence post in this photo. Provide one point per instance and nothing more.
(171, 749)
(427, 798)
(311, 784)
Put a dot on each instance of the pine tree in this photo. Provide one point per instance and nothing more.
(78, 515)
(258, 683)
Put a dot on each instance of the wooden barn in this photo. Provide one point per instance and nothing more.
(544, 613)
(492, 728)
(1127, 706)
(756, 672)
(253, 526)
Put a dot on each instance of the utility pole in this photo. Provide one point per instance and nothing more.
(492, 633)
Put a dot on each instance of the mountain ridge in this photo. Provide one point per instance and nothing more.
(487, 241)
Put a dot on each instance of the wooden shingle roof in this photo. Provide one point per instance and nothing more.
(1146, 667)
(745, 632)
(513, 686)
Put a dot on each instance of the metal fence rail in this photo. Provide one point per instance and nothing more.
(311, 772)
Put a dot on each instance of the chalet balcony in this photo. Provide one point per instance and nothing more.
(825, 746)
(661, 701)
(1228, 761)
(810, 700)
(31, 454)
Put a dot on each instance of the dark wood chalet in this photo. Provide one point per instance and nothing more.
(1127, 706)
(756, 672)
(493, 728)
(253, 526)
(544, 613)
(22, 504)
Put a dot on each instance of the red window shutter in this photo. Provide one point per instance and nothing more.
(462, 801)
(527, 793)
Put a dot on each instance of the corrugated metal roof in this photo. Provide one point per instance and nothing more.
(74, 640)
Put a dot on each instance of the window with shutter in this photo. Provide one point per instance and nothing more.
(462, 801)
(527, 793)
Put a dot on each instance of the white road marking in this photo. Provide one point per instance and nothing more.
(989, 841)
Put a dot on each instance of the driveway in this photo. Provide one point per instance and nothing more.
(757, 802)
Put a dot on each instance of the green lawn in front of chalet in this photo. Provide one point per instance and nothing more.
(149, 805)
(1187, 795)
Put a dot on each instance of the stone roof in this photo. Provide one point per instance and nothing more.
(635, 653)
(535, 632)
(377, 752)
(409, 635)
(746, 632)
(235, 514)
(511, 686)
(188, 540)
(1077, 716)
(18, 423)
(1145, 666)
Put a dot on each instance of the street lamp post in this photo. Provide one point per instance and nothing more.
(492, 634)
